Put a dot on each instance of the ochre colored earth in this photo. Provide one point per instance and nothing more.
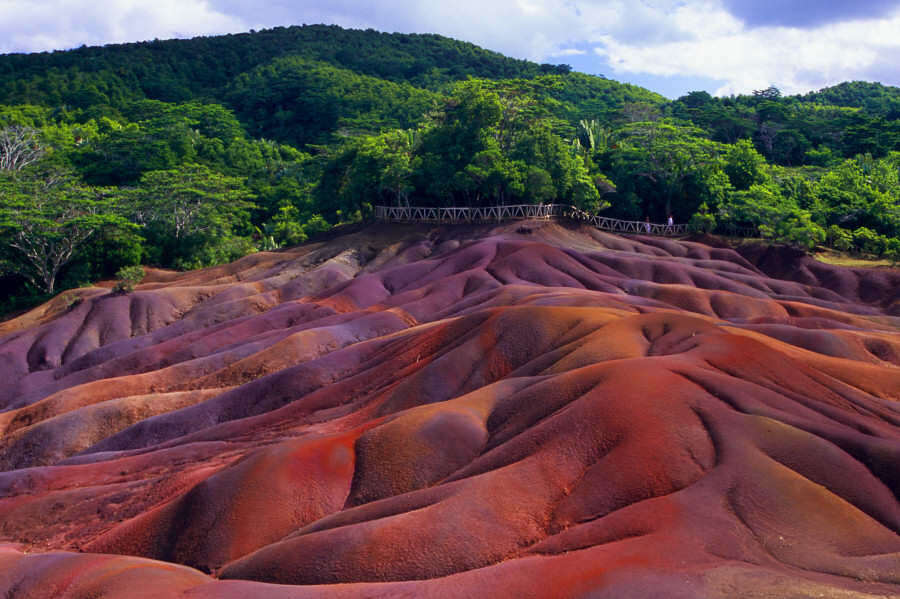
(405, 411)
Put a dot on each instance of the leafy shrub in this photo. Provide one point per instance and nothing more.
(71, 300)
(208, 251)
(127, 277)
(702, 221)
(868, 241)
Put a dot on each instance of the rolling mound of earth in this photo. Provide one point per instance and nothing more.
(406, 411)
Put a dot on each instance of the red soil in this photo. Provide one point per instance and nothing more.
(460, 412)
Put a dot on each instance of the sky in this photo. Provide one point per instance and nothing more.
(669, 46)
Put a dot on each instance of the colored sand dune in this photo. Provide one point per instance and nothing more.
(460, 412)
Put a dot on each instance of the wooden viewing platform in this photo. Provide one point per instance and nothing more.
(522, 212)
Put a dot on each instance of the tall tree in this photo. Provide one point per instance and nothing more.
(46, 222)
(744, 165)
(191, 216)
(189, 200)
(668, 157)
(19, 147)
(776, 217)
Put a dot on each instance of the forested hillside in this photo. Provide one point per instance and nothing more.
(178, 70)
(291, 72)
(188, 153)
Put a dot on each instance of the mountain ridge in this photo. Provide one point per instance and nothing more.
(178, 69)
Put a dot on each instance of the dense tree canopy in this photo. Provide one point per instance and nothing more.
(671, 166)
(814, 129)
(188, 153)
(486, 144)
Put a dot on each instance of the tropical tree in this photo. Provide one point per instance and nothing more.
(777, 217)
(45, 222)
(191, 214)
(19, 147)
(662, 161)
(591, 138)
(861, 192)
(189, 200)
(744, 165)
(398, 148)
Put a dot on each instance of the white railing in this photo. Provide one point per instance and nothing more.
(467, 215)
(521, 212)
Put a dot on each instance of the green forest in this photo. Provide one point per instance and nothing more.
(188, 153)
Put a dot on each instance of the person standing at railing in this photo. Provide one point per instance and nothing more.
(647, 225)
(670, 223)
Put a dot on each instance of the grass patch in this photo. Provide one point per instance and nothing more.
(841, 259)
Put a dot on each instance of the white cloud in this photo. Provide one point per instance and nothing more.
(38, 25)
(688, 38)
(524, 29)
(568, 52)
(795, 60)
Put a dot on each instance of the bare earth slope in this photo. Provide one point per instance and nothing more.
(459, 412)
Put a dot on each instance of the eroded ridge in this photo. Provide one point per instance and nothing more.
(430, 412)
